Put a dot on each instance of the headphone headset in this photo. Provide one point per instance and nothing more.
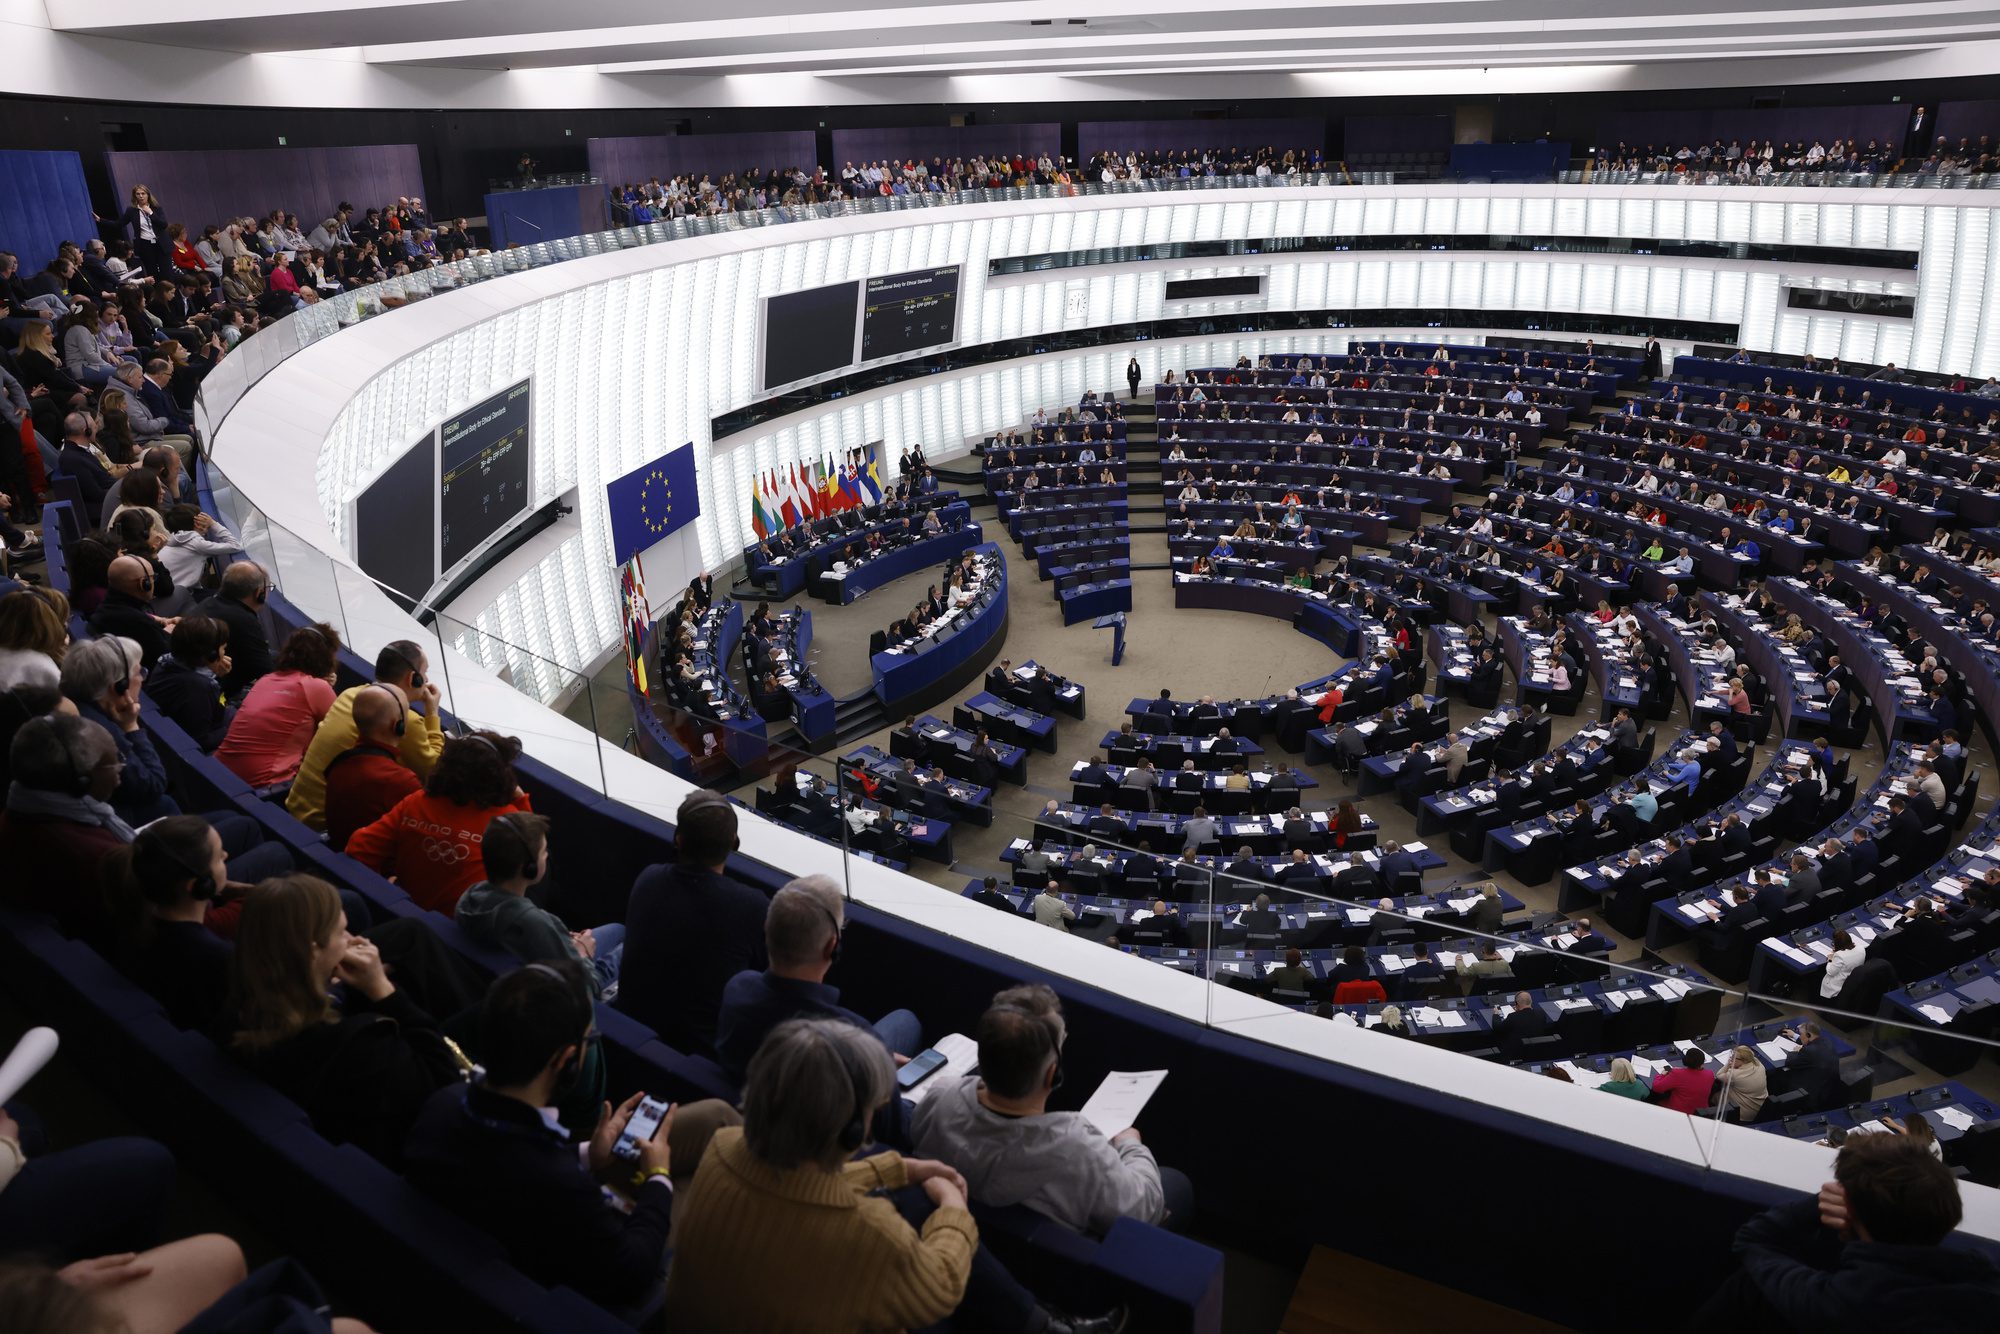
(513, 827)
(855, 1133)
(474, 736)
(416, 677)
(158, 890)
(833, 922)
(582, 1008)
(81, 773)
(402, 721)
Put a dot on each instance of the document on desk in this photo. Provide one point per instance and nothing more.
(1957, 1118)
(1937, 1014)
(1116, 1105)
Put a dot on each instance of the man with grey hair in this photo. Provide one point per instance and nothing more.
(149, 427)
(802, 930)
(246, 586)
(995, 1127)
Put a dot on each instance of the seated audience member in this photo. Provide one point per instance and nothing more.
(689, 928)
(995, 1126)
(239, 604)
(102, 677)
(401, 664)
(159, 888)
(782, 1194)
(429, 841)
(276, 720)
(498, 912)
(365, 781)
(362, 1067)
(186, 685)
(59, 825)
(802, 940)
(487, 1150)
(1866, 1253)
(153, 1291)
(34, 635)
(1687, 1087)
(127, 609)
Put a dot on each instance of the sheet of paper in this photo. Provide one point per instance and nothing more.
(1935, 1013)
(1957, 1118)
(1116, 1105)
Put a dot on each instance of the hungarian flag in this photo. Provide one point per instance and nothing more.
(632, 593)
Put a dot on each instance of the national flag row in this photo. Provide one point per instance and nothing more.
(793, 493)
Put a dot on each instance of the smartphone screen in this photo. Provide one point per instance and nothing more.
(646, 1118)
(921, 1067)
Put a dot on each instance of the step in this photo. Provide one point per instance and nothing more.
(1152, 564)
(1343, 1294)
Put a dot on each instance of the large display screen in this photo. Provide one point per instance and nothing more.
(809, 333)
(395, 523)
(482, 472)
(907, 312)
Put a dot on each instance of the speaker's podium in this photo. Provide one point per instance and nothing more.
(1115, 623)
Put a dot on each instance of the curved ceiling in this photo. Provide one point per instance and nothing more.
(639, 52)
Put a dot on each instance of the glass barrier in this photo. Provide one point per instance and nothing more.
(1864, 180)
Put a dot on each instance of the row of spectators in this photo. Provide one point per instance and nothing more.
(1717, 161)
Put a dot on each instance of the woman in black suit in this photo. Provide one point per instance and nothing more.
(147, 224)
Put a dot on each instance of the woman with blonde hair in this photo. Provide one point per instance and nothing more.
(148, 227)
(1745, 1084)
(41, 367)
(1625, 1082)
(361, 1068)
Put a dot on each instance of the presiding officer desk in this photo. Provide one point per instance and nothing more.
(800, 553)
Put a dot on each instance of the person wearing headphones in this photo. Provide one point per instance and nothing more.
(498, 912)
(784, 1227)
(802, 939)
(239, 605)
(365, 781)
(59, 827)
(996, 1127)
(488, 1151)
(162, 884)
(402, 664)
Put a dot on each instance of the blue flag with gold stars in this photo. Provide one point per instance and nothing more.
(650, 502)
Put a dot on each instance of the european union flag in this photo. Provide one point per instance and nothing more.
(648, 503)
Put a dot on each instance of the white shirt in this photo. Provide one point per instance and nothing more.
(26, 667)
(1838, 965)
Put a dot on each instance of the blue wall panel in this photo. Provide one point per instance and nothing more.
(43, 202)
(523, 217)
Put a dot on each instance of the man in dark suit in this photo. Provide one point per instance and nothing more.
(1677, 868)
(1802, 881)
(1768, 895)
(1741, 912)
(989, 894)
(999, 678)
(1244, 870)
(1142, 871)
(1260, 918)
(1225, 744)
(1108, 825)
(1589, 940)
(1299, 874)
(239, 604)
(1732, 835)
(1385, 920)
(1189, 778)
(75, 460)
(486, 1151)
(1814, 1067)
(1906, 827)
(1864, 852)
(1836, 869)
(1725, 741)
(1422, 966)
(127, 609)
(1524, 1021)
(1163, 707)
(1394, 863)
(1928, 937)
(1091, 775)
(1300, 832)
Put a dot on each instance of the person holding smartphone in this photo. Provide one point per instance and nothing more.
(493, 1152)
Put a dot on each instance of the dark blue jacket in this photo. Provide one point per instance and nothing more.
(688, 931)
(495, 1161)
(1815, 1281)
